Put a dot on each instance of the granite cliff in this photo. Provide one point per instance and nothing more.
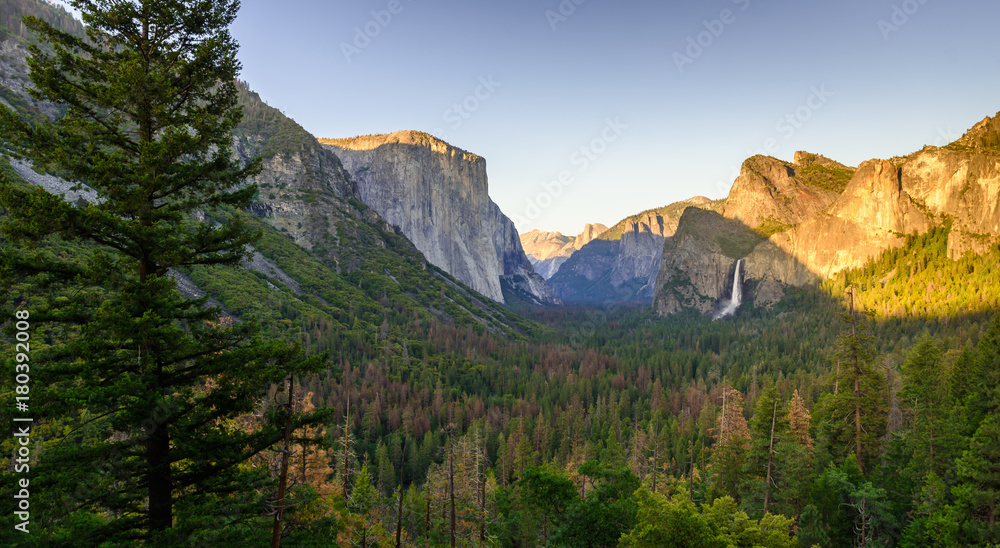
(699, 261)
(437, 195)
(815, 218)
(622, 263)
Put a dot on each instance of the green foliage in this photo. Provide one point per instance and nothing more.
(978, 492)
(141, 385)
(677, 523)
(855, 415)
(830, 178)
(918, 279)
(738, 244)
(668, 523)
(985, 138)
(270, 130)
(416, 353)
(771, 226)
(600, 519)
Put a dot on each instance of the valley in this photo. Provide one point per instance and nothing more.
(385, 360)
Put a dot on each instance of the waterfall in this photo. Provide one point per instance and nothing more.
(735, 297)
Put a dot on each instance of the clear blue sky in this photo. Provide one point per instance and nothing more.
(551, 74)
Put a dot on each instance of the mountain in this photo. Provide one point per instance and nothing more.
(325, 258)
(438, 197)
(774, 195)
(547, 251)
(816, 218)
(622, 263)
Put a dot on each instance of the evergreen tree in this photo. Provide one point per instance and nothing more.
(366, 531)
(668, 523)
(979, 489)
(145, 380)
(799, 421)
(764, 462)
(930, 437)
(856, 413)
(732, 442)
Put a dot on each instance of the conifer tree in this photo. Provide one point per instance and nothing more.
(764, 462)
(145, 380)
(732, 441)
(979, 488)
(857, 412)
(799, 421)
(366, 529)
(932, 440)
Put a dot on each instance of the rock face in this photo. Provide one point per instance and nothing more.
(547, 251)
(622, 264)
(821, 217)
(872, 214)
(437, 195)
(699, 261)
(770, 193)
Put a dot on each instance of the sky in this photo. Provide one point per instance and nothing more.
(592, 110)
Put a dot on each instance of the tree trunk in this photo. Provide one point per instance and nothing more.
(482, 498)
(857, 421)
(451, 490)
(347, 430)
(160, 484)
(399, 507)
(283, 476)
(770, 456)
(857, 388)
(427, 520)
(691, 471)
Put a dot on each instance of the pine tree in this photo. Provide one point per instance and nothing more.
(857, 412)
(366, 531)
(799, 421)
(932, 442)
(145, 379)
(979, 488)
(732, 442)
(764, 462)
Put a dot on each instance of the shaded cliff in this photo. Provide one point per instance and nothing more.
(437, 195)
(699, 261)
(623, 262)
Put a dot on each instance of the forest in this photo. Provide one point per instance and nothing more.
(383, 405)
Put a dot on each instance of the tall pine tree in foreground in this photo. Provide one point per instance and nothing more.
(143, 383)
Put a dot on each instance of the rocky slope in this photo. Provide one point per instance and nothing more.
(621, 265)
(547, 251)
(437, 195)
(821, 218)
